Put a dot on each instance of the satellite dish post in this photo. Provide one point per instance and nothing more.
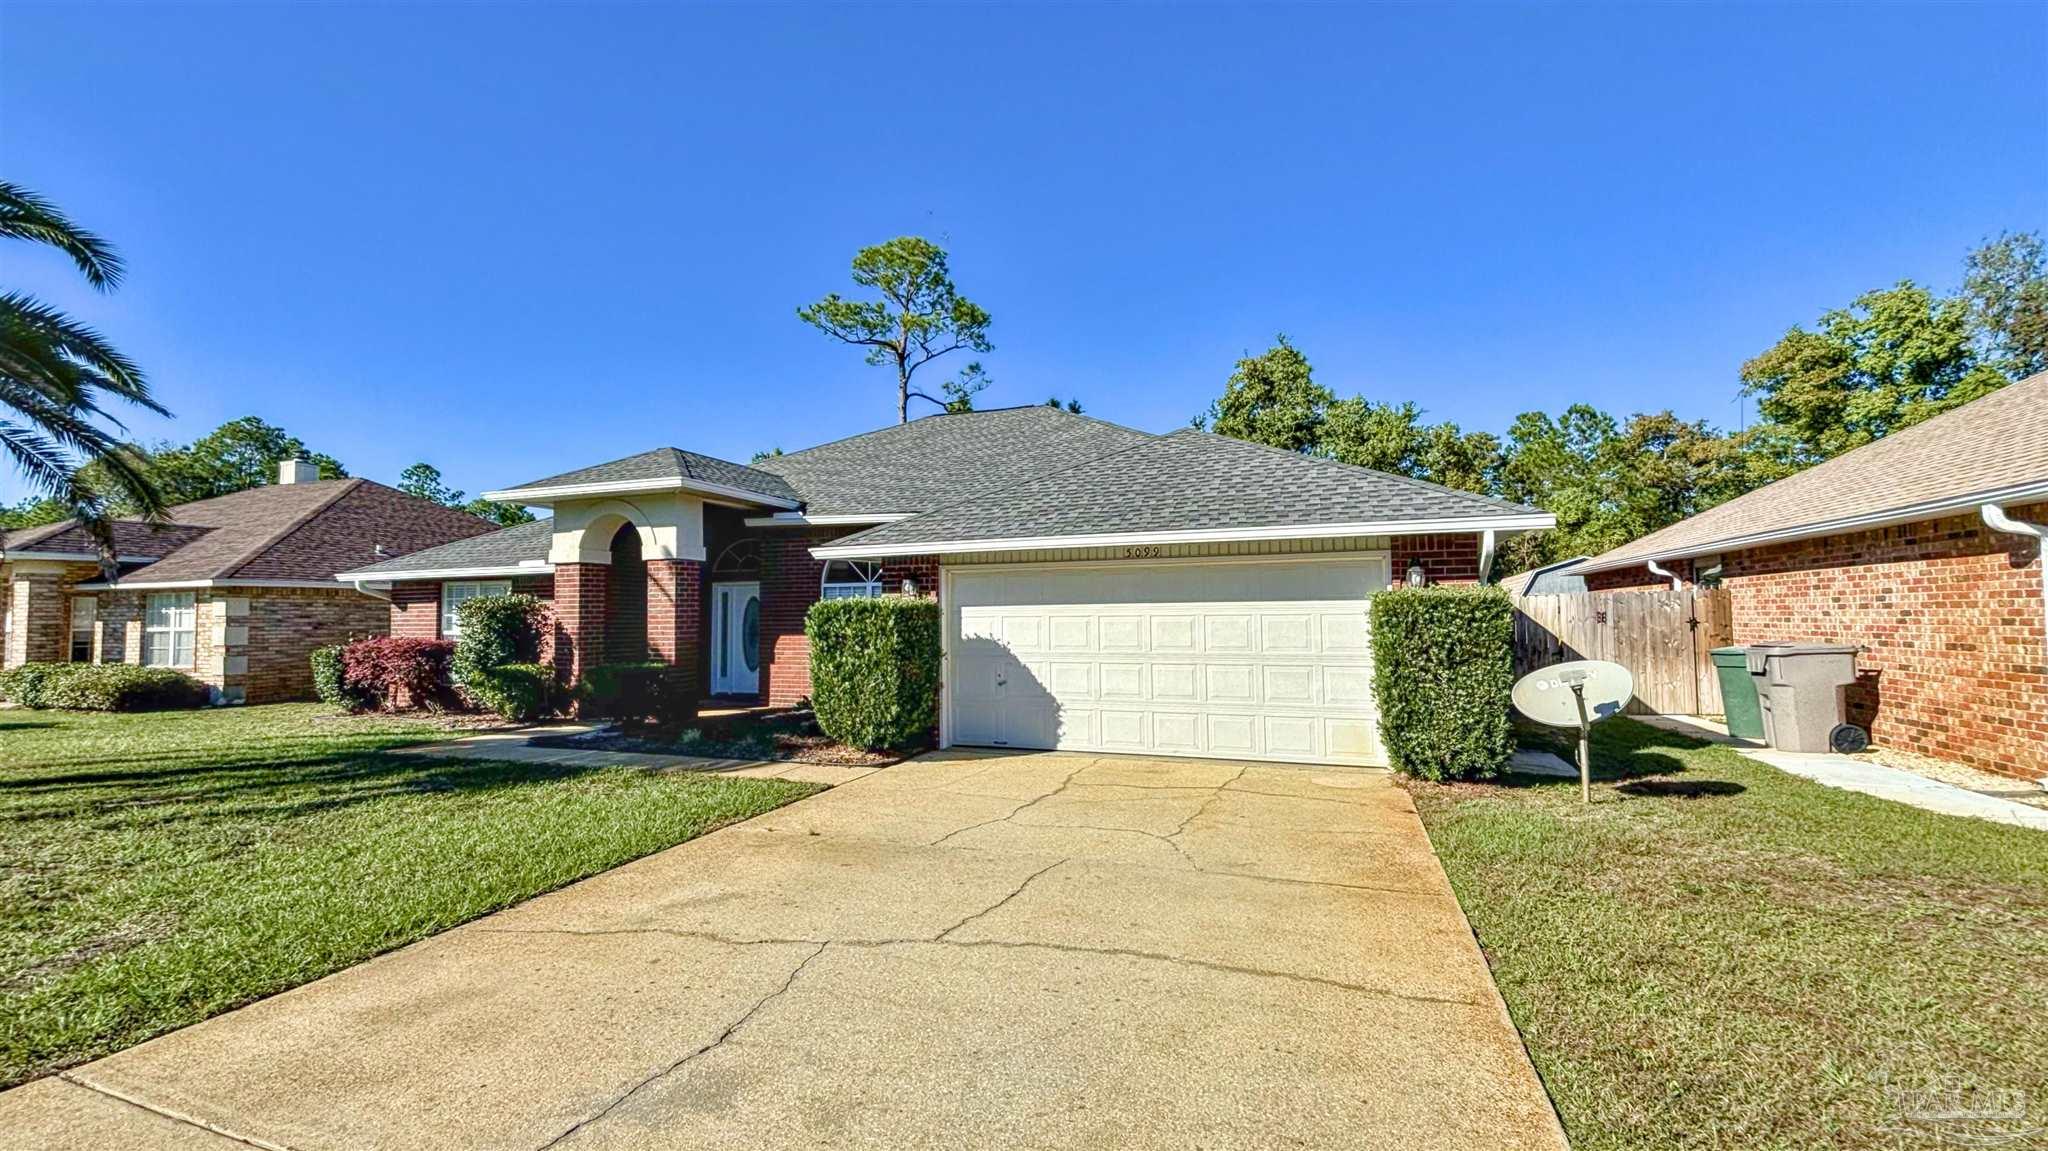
(1577, 694)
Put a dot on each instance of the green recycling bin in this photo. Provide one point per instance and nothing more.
(1738, 693)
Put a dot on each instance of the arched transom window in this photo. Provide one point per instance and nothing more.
(743, 558)
(851, 579)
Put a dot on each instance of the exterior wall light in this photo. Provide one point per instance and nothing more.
(1416, 576)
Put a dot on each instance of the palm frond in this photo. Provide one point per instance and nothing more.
(24, 318)
(27, 216)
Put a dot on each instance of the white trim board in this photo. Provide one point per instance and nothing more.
(1196, 536)
(801, 519)
(1929, 510)
(194, 584)
(546, 496)
(522, 569)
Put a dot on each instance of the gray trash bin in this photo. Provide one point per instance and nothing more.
(1799, 689)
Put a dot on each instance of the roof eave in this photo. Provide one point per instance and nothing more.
(477, 571)
(852, 549)
(548, 495)
(1927, 510)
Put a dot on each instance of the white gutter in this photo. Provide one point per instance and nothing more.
(546, 496)
(803, 519)
(538, 567)
(190, 584)
(2029, 492)
(1212, 535)
(383, 593)
(72, 557)
(1995, 516)
(1658, 569)
(1486, 556)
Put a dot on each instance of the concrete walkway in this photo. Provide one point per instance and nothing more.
(1852, 774)
(961, 951)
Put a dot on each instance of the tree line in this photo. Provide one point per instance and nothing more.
(1890, 359)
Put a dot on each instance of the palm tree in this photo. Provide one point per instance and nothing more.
(54, 374)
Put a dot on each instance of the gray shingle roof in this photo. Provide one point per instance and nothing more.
(673, 464)
(508, 547)
(1186, 481)
(1994, 444)
(942, 459)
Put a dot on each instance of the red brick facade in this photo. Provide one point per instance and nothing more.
(1450, 559)
(579, 618)
(1949, 613)
(675, 613)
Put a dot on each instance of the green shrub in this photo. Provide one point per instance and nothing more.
(875, 669)
(1443, 665)
(330, 682)
(521, 692)
(500, 631)
(640, 692)
(27, 684)
(102, 687)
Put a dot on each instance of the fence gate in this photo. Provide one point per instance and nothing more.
(1663, 637)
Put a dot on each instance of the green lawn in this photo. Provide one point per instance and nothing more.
(1724, 956)
(158, 869)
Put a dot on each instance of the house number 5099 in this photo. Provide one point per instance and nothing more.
(1142, 553)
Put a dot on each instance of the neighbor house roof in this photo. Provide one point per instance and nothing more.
(1994, 450)
(515, 550)
(1185, 487)
(286, 533)
(941, 459)
(656, 470)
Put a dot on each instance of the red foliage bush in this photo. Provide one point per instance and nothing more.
(395, 674)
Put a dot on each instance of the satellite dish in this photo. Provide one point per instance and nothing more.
(1577, 694)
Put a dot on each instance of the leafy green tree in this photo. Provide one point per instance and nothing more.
(424, 481)
(236, 456)
(2006, 283)
(1393, 438)
(33, 511)
(1070, 404)
(920, 317)
(961, 390)
(1893, 358)
(1272, 399)
(55, 374)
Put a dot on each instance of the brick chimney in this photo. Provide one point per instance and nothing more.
(297, 471)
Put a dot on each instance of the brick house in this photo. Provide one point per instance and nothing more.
(1915, 547)
(235, 590)
(1104, 588)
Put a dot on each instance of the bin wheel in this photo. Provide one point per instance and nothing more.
(1848, 739)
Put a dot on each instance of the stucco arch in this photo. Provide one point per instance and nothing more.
(583, 532)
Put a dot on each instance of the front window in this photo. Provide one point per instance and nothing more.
(851, 579)
(453, 595)
(168, 627)
(84, 609)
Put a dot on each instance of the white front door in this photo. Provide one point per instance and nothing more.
(1240, 660)
(735, 638)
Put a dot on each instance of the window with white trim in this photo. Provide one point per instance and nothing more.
(452, 595)
(851, 579)
(169, 624)
(84, 609)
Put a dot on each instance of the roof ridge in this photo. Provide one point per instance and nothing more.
(886, 428)
(1411, 481)
(348, 484)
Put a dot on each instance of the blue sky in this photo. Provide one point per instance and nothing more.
(514, 240)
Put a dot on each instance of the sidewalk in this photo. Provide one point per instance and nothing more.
(517, 746)
(1852, 774)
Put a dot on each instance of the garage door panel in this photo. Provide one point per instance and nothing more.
(1237, 660)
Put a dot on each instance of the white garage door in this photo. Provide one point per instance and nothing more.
(1251, 660)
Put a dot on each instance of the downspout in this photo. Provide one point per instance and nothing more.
(1486, 556)
(1677, 584)
(1999, 521)
(383, 595)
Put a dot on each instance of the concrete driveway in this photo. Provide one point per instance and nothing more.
(966, 950)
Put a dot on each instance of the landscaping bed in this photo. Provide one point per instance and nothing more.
(1716, 954)
(790, 734)
(159, 868)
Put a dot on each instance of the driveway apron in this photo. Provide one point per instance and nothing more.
(969, 949)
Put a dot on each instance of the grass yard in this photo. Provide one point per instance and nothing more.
(1724, 956)
(157, 869)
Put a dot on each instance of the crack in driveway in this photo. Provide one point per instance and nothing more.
(679, 1064)
(78, 1080)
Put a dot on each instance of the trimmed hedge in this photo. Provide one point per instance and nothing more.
(102, 687)
(399, 673)
(330, 680)
(501, 631)
(521, 692)
(653, 692)
(1443, 667)
(875, 669)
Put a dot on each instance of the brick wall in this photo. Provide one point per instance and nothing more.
(416, 607)
(674, 613)
(1450, 559)
(286, 624)
(1950, 612)
(579, 618)
(790, 580)
(38, 611)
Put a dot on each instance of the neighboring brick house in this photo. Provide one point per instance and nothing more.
(237, 590)
(1913, 547)
(1104, 588)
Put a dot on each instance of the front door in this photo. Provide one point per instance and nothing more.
(735, 638)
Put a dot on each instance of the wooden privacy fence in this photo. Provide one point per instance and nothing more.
(1663, 637)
